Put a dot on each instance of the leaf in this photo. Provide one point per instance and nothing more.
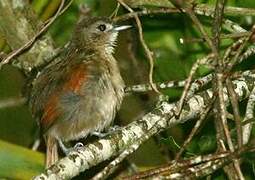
(18, 162)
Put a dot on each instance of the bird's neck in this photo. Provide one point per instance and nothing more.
(85, 50)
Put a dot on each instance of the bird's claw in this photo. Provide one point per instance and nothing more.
(67, 150)
(78, 145)
(114, 128)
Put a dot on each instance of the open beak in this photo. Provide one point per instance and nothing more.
(120, 28)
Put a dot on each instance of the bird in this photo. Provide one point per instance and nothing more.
(79, 94)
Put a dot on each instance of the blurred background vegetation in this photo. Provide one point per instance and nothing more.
(173, 61)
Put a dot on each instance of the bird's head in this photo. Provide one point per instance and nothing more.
(97, 32)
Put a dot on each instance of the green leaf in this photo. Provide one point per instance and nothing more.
(18, 162)
(38, 6)
(207, 143)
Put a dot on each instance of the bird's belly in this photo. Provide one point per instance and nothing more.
(84, 114)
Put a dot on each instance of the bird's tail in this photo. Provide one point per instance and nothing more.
(52, 151)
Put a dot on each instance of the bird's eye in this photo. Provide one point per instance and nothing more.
(101, 27)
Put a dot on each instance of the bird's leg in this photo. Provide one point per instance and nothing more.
(63, 147)
(67, 150)
(99, 134)
(111, 130)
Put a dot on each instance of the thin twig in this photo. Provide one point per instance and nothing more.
(223, 36)
(237, 117)
(202, 9)
(239, 51)
(201, 165)
(218, 16)
(190, 12)
(146, 12)
(189, 80)
(188, 8)
(195, 86)
(249, 52)
(232, 50)
(249, 115)
(147, 50)
(115, 12)
(195, 128)
(29, 44)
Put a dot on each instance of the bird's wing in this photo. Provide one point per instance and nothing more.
(69, 82)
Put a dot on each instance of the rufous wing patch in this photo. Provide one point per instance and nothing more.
(77, 77)
(51, 112)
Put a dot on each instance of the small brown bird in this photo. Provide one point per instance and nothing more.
(81, 93)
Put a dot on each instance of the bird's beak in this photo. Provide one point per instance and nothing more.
(120, 28)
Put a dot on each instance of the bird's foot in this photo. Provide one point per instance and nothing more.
(78, 145)
(111, 130)
(67, 150)
(114, 128)
(99, 134)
